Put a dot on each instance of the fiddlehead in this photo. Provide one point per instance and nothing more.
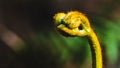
(75, 23)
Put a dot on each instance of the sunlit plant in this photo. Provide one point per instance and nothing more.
(75, 23)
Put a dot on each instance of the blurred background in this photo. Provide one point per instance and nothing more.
(28, 38)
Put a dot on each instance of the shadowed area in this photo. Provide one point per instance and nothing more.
(28, 38)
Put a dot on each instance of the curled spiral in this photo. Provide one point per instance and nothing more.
(75, 23)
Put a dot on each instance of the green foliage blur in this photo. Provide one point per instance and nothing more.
(28, 38)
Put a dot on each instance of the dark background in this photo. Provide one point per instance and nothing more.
(28, 38)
